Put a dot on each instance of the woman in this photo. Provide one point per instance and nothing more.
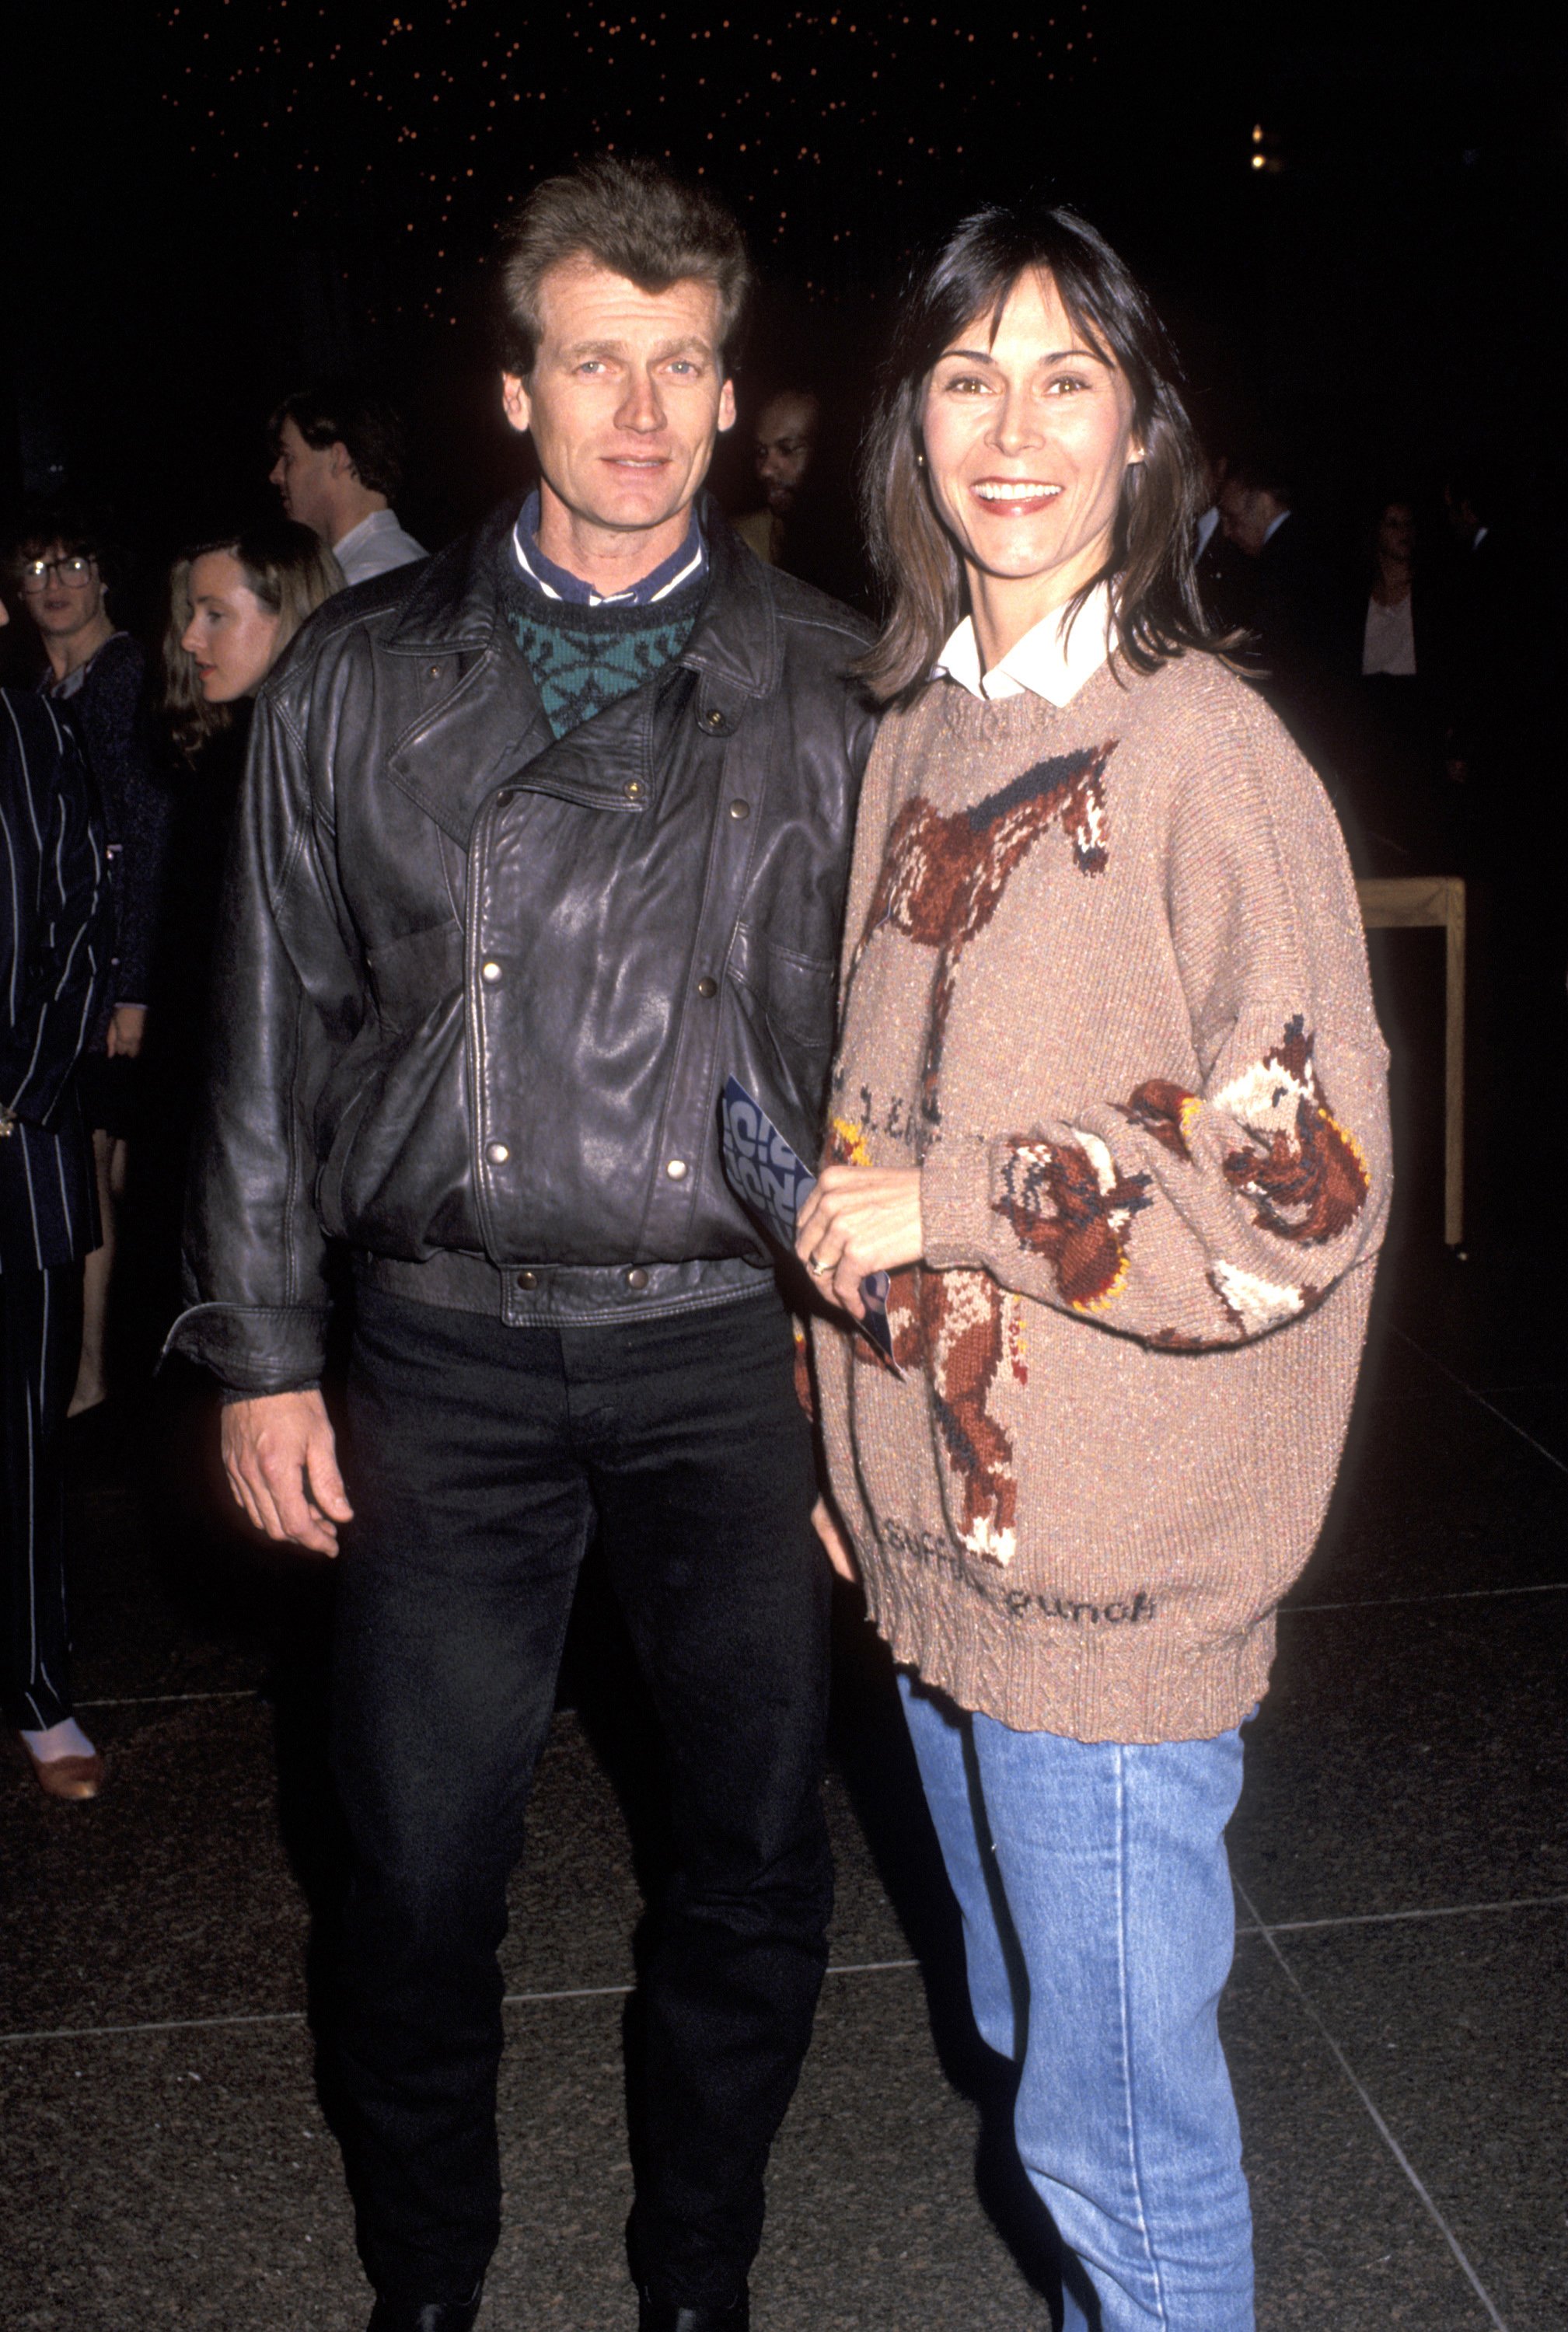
(1109, 1106)
(1394, 762)
(55, 951)
(1388, 634)
(233, 608)
(65, 571)
(234, 605)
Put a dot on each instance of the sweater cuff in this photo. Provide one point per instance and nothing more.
(955, 1210)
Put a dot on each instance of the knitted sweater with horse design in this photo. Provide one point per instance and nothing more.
(1105, 984)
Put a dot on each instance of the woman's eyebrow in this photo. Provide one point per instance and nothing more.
(1052, 356)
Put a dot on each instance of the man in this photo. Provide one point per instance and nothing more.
(337, 462)
(1487, 636)
(540, 845)
(62, 560)
(53, 955)
(1305, 616)
(781, 451)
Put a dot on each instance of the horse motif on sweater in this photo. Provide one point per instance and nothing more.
(1309, 1178)
(1070, 1203)
(943, 875)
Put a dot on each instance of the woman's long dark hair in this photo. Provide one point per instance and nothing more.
(1149, 570)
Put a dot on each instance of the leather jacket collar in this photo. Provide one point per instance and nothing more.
(454, 605)
(476, 684)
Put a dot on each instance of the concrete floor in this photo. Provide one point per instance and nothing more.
(1396, 2022)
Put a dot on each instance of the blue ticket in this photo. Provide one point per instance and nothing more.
(771, 1178)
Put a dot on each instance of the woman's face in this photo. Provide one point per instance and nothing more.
(1028, 437)
(230, 636)
(1397, 531)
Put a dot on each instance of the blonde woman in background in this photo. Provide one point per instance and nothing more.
(234, 605)
(233, 608)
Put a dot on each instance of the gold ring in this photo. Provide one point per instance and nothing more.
(812, 1264)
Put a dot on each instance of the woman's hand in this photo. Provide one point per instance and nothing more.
(835, 1544)
(127, 1024)
(859, 1220)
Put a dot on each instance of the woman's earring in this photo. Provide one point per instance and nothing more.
(920, 461)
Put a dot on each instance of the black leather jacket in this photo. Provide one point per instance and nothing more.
(479, 990)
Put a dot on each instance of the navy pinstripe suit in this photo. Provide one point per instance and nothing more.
(54, 938)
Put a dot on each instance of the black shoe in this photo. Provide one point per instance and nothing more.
(436, 2316)
(660, 2316)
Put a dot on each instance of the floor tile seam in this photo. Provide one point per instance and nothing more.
(1424, 2195)
(1444, 1595)
(849, 1967)
(297, 2015)
(1391, 1919)
(1481, 1399)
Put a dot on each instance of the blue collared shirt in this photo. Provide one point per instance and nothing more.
(685, 566)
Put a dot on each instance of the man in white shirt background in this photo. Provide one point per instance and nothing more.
(338, 463)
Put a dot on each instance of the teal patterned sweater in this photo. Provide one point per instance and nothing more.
(584, 658)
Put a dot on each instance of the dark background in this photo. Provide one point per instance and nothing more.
(1353, 217)
(210, 203)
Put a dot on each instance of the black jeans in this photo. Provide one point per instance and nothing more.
(479, 1457)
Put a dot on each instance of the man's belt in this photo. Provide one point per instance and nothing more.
(550, 1294)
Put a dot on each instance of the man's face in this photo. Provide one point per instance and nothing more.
(304, 475)
(626, 398)
(61, 593)
(783, 448)
(1246, 515)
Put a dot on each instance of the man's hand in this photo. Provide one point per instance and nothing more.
(859, 1220)
(127, 1026)
(282, 1462)
(834, 1544)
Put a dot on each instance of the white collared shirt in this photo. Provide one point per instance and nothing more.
(375, 546)
(1042, 663)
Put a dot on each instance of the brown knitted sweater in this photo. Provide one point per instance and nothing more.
(1106, 983)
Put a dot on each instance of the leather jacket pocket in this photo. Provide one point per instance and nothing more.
(797, 993)
(783, 1045)
(374, 1118)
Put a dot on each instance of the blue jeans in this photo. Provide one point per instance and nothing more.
(1099, 1925)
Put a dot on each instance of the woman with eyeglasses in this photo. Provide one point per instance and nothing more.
(1109, 1106)
(54, 940)
(62, 565)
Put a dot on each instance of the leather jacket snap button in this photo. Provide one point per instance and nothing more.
(433, 672)
(636, 1279)
(707, 987)
(503, 797)
(528, 1281)
(497, 1153)
(635, 789)
(715, 722)
(676, 1169)
(739, 810)
(490, 973)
